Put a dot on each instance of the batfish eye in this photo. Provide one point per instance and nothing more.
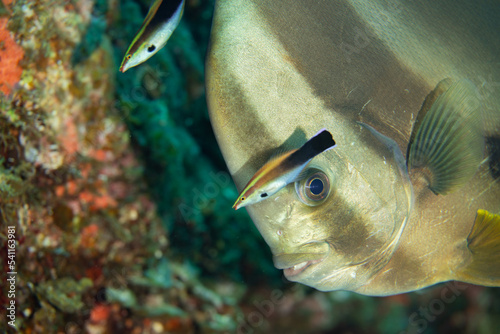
(316, 186)
(314, 189)
(151, 48)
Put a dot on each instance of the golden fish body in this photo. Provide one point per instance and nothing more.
(278, 71)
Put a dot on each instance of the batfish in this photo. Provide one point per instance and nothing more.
(411, 90)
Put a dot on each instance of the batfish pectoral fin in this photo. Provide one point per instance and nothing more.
(483, 243)
(447, 142)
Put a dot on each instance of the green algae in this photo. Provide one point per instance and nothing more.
(125, 297)
(11, 184)
(16, 174)
(64, 293)
(3, 10)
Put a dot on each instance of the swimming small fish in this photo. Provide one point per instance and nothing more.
(161, 21)
(283, 169)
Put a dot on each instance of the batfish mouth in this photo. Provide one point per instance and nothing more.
(299, 268)
(296, 263)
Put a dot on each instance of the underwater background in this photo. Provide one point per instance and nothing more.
(121, 201)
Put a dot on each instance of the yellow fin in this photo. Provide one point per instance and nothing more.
(447, 139)
(484, 244)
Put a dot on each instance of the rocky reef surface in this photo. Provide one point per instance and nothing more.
(121, 205)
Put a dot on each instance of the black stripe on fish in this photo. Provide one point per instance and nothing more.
(493, 146)
(164, 13)
(314, 146)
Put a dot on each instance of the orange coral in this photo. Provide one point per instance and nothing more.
(102, 202)
(69, 137)
(10, 55)
(100, 313)
(89, 236)
(97, 202)
(99, 155)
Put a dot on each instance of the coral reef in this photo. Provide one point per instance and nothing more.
(10, 54)
(122, 206)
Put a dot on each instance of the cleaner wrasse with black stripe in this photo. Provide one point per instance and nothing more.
(283, 169)
(161, 21)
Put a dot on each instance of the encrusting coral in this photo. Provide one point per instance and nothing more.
(10, 55)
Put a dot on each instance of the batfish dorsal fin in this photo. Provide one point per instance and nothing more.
(446, 138)
(484, 244)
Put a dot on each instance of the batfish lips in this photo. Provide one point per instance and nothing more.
(295, 264)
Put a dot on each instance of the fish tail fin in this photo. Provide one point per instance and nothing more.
(322, 141)
(483, 243)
